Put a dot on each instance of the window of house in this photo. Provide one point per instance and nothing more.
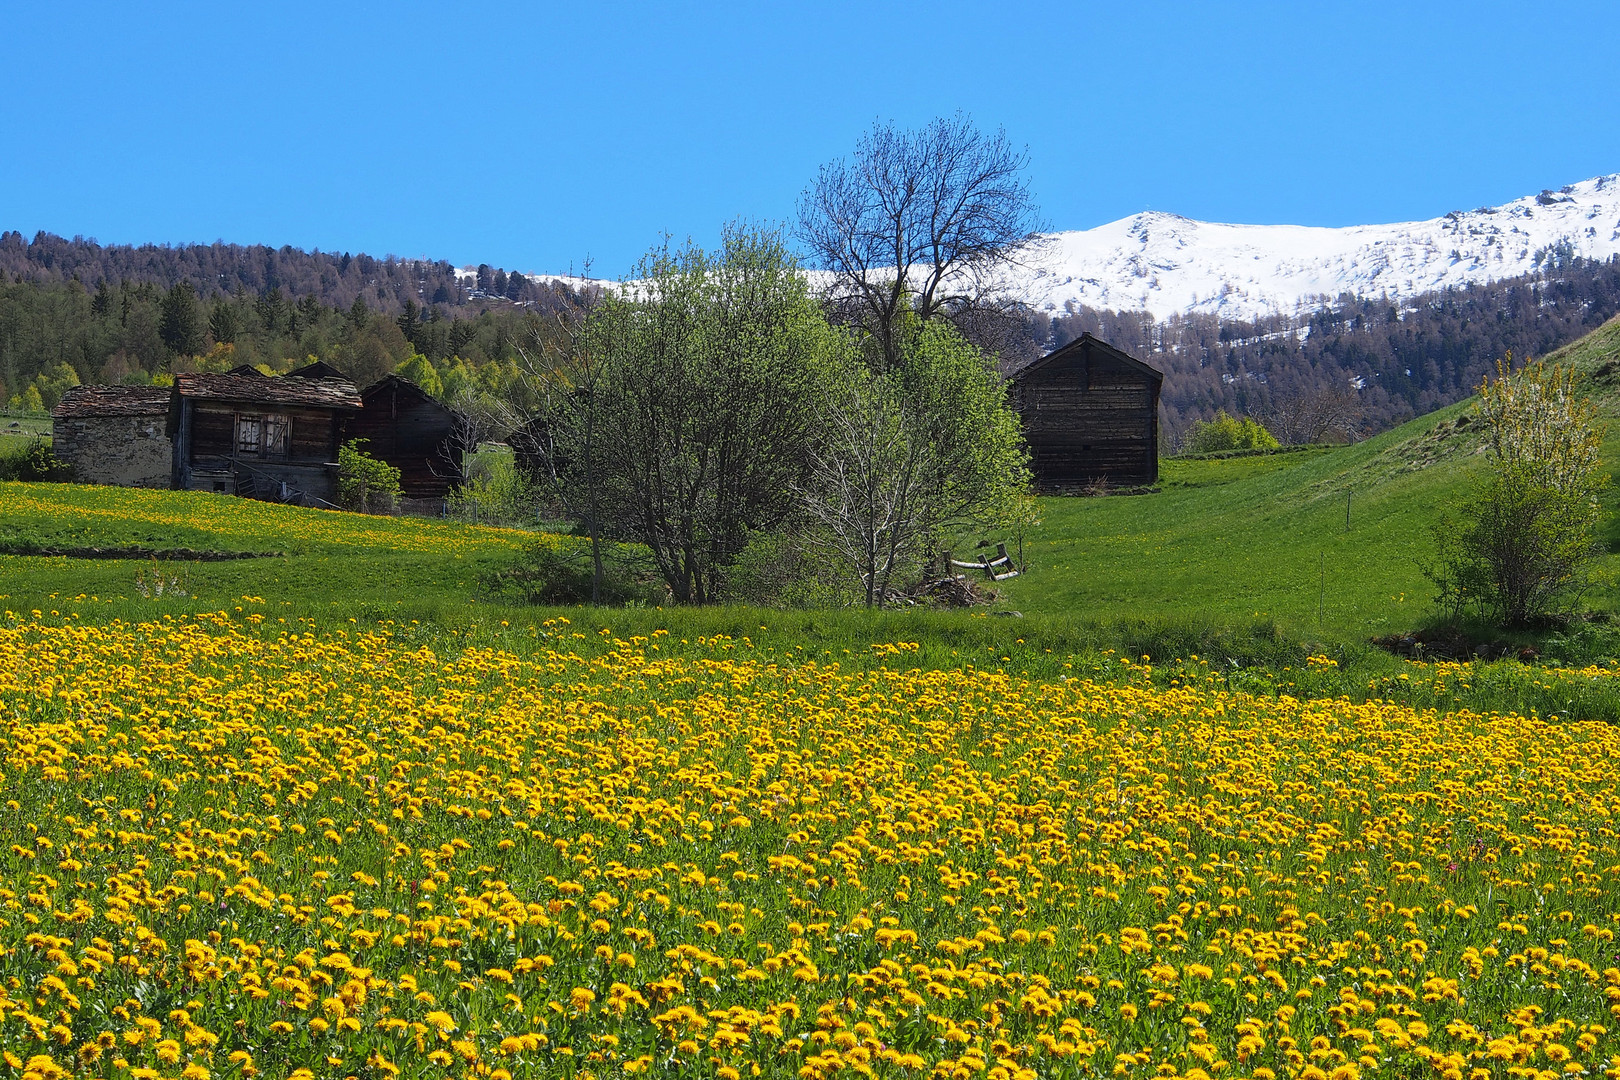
(248, 433)
(264, 435)
(275, 434)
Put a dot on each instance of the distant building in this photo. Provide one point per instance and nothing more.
(267, 437)
(115, 435)
(404, 426)
(271, 438)
(1090, 415)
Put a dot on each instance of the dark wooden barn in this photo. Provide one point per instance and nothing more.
(1090, 415)
(270, 438)
(404, 426)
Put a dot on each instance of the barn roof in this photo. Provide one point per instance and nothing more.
(402, 386)
(113, 401)
(1087, 343)
(320, 369)
(325, 393)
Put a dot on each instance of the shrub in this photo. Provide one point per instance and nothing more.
(1527, 536)
(557, 570)
(35, 463)
(786, 570)
(364, 483)
(1229, 433)
(495, 492)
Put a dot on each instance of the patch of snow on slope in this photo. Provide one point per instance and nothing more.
(1166, 264)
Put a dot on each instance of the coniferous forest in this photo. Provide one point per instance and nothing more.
(74, 311)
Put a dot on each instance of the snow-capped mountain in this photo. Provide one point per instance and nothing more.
(1166, 264)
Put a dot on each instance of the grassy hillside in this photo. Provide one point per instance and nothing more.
(1230, 540)
(316, 561)
(1230, 561)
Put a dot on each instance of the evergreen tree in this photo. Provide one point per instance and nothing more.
(178, 324)
(269, 307)
(408, 323)
(461, 332)
(222, 323)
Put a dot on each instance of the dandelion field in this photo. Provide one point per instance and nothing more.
(246, 846)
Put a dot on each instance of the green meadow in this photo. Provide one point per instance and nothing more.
(1250, 563)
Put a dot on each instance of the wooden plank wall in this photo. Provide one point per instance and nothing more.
(313, 437)
(415, 436)
(1086, 422)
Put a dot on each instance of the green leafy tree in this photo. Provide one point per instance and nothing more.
(30, 400)
(903, 457)
(1229, 433)
(365, 483)
(421, 371)
(54, 381)
(1526, 539)
(708, 374)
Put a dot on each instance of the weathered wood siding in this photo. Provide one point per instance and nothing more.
(1089, 417)
(408, 429)
(210, 459)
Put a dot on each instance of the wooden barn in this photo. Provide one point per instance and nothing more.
(404, 426)
(270, 438)
(1091, 415)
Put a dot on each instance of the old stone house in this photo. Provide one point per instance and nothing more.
(268, 437)
(115, 435)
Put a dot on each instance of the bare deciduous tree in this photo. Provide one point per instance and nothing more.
(567, 371)
(1315, 414)
(917, 221)
(479, 417)
(867, 490)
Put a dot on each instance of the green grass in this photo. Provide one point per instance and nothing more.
(1253, 537)
(323, 562)
(1265, 537)
(1230, 561)
(23, 427)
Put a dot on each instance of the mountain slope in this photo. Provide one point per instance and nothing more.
(1225, 541)
(1166, 264)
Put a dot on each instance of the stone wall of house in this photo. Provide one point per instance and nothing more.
(126, 451)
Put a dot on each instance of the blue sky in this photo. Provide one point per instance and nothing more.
(535, 136)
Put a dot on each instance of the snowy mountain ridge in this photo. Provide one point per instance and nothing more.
(1166, 264)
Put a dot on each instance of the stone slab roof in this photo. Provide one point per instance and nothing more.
(325, 393)
(113, 401)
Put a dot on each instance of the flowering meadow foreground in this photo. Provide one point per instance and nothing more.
(245, 848)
